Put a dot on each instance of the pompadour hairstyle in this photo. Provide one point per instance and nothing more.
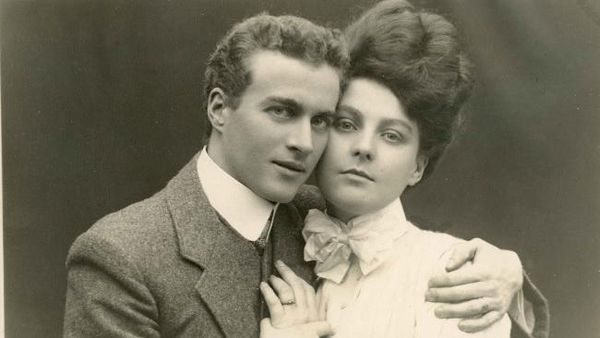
(417, 55)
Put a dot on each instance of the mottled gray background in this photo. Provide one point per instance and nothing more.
(101, 105)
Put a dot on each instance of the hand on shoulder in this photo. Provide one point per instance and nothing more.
(477, 285)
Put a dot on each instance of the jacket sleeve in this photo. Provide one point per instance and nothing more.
(106, 295)
(529, 312)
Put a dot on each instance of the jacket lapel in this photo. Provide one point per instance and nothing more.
(288, 244)
(230, 277)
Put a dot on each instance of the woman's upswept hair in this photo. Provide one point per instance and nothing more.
(417, 55)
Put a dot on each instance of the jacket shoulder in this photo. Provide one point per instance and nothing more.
(308, 197)
(134, 231)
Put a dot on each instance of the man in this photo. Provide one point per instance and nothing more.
(188, 260)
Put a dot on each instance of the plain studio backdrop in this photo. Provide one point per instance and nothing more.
(102, 105)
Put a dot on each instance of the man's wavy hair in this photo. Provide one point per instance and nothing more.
(292, 36)
(417, 55)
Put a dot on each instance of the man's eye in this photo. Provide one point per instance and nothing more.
(320, 122)
(281, 112)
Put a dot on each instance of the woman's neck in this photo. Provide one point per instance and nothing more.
(342, 215)
(346, 215)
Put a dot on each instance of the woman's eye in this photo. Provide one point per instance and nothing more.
(392, 137)
(344, 125)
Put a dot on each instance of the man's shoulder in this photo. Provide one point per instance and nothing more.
(132, 231)
(308, 197)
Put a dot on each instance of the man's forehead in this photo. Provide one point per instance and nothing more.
(270, 63)
(275, 74)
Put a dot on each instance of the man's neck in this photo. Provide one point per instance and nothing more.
(245, 211)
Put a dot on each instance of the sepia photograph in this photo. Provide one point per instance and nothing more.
(315, 168)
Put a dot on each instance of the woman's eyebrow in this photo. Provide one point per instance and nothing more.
(401, 122)
(350, 110)
(357, 114)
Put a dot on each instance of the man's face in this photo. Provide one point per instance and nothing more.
(272, 141)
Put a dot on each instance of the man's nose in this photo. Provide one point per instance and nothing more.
(300, 137)
(364, 146)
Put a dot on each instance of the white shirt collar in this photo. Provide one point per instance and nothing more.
(245, 211)
(392, 213)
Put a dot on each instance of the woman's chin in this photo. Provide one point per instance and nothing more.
(350, 199)
(347, 207)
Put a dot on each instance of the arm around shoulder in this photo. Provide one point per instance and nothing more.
(530, 312)
(106, 295)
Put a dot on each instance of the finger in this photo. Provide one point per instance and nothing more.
(273, 303)
(321, 328)
(284, 291)
(469, 309)
(460, 293)
(481, 323)
(322, 301)
(333, 311)
(294, 282)
(265, 325)
(464, 275)
(461, 253)
(311, 302)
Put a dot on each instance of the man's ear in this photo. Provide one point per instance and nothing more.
(422, 161)
(216, 109)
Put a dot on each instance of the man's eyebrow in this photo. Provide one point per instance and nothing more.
(293, 104)
(284, 101)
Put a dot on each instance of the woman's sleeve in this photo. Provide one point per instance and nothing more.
(529, 312)
(430, 326)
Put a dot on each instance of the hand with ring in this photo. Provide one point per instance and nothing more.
(291, 300)
(477, 285)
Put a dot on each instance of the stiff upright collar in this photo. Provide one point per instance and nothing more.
(245, 211)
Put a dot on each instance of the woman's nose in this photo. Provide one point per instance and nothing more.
(364, 147)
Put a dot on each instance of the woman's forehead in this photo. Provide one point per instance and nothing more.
(370, 98)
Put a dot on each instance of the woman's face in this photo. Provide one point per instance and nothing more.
(372, 154)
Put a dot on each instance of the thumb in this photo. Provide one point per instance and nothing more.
(266, 329)
(321, 328)
(461, 254)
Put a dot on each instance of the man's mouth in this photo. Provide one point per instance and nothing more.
(358, 172)
(292, 166)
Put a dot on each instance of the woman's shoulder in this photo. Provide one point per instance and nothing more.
(440, 240)
(432, 246)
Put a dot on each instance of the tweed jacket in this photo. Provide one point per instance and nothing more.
(168, 267)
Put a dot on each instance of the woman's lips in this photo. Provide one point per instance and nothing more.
(358, 172)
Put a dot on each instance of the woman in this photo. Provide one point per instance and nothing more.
(407, 82)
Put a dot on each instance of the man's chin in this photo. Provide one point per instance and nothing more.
(281, 194)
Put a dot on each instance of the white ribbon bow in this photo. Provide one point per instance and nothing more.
(330, 242)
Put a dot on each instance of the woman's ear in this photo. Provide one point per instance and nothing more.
(216, 109)
(422, 161)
